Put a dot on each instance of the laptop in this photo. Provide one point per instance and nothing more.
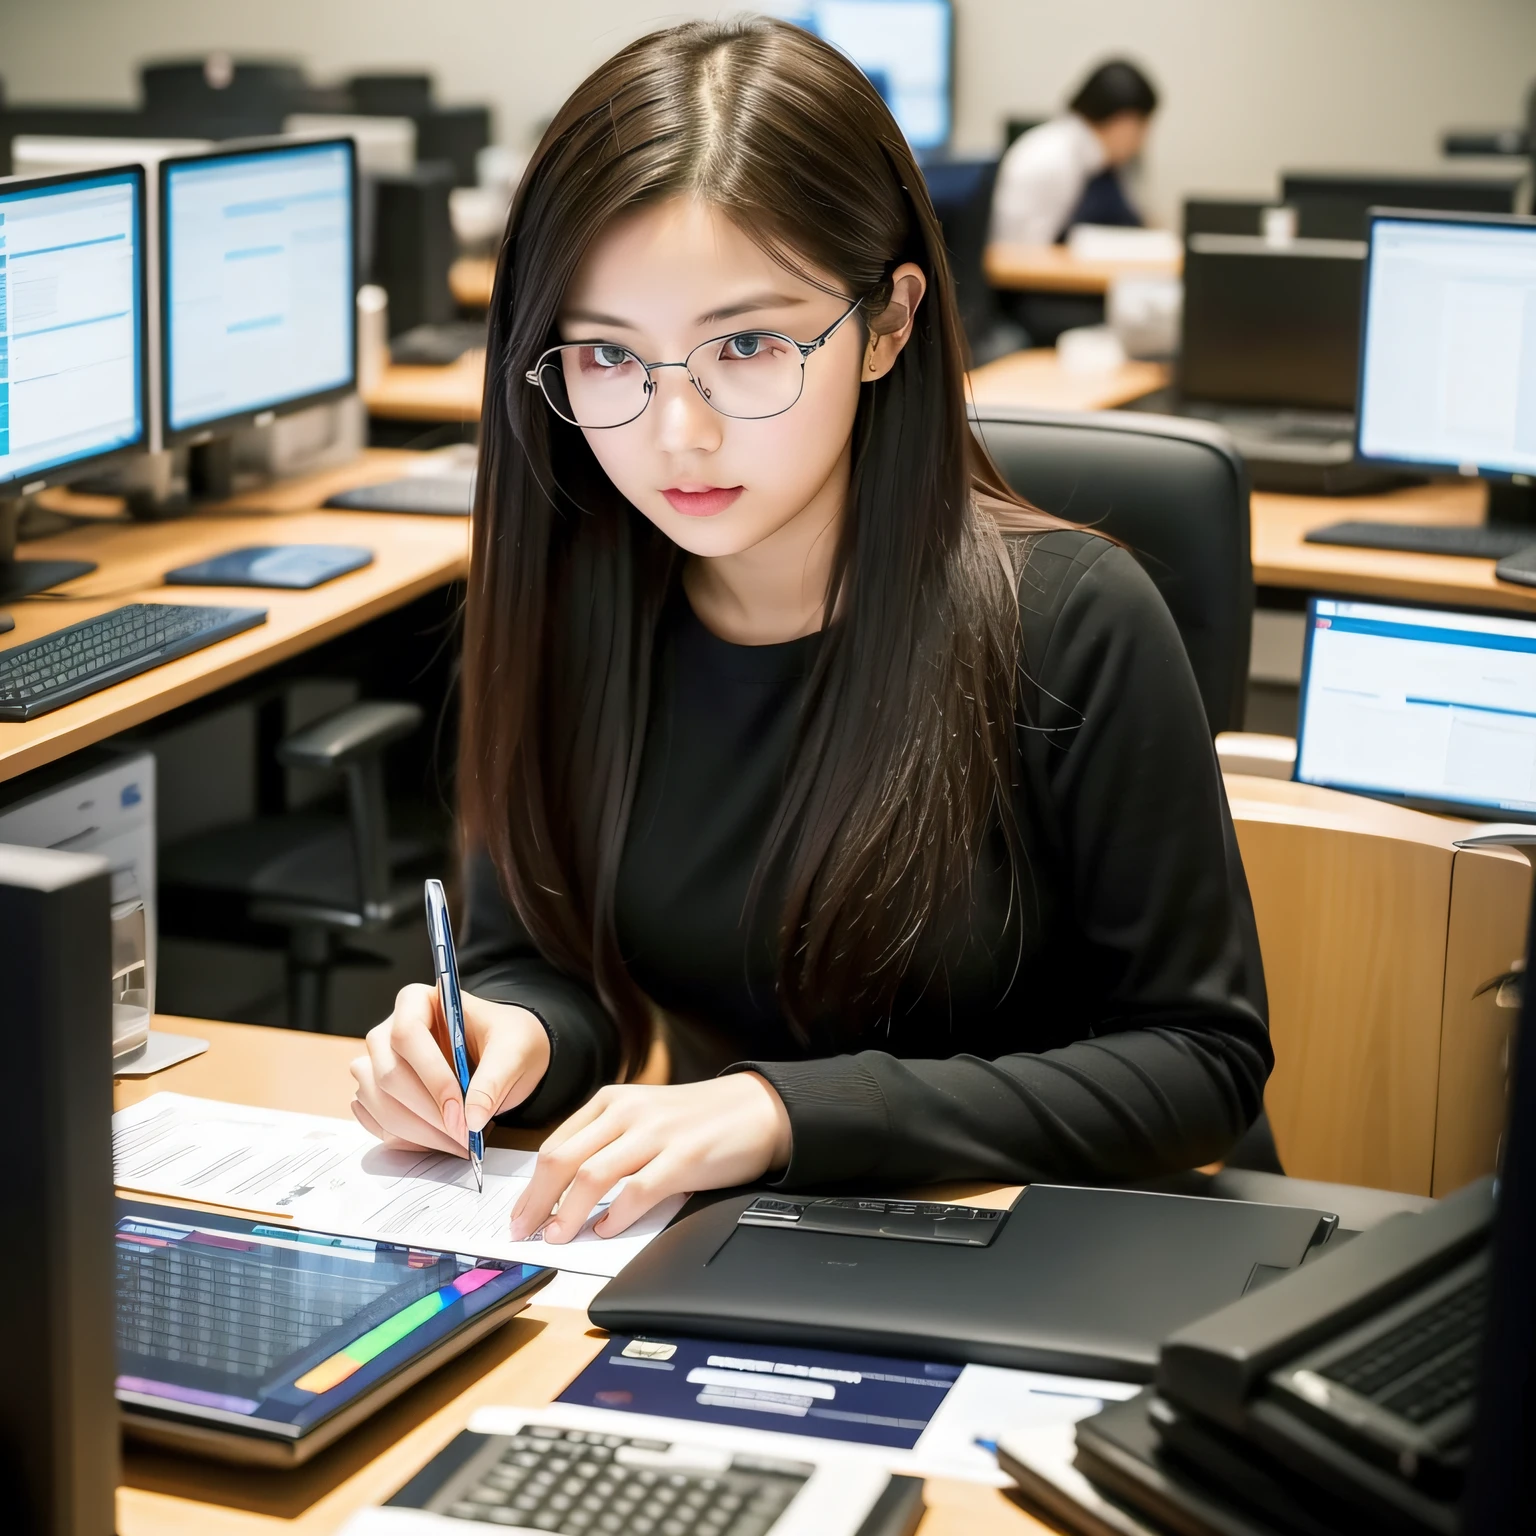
(1428, 707)
(1269, 351)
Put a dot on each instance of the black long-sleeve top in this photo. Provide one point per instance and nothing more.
(1114, 1023)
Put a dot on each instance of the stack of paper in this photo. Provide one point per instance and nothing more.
(332, 1175)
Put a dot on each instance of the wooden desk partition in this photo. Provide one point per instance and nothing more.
(1378, 937)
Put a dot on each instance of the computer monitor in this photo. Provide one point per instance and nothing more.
(72, 344)
(1448, 351)
(1335, 205)
(1268, 325)
(906, 47)
(1429, 707)
(258, 278)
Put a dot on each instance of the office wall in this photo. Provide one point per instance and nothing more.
(1250, 85)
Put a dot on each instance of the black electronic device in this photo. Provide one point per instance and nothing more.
(1335, 205)
(413, 244)
(58, 1422)
(1269, 349)
(440, 495)
(84, 658)
(1069, 1279)
(294, 566)
(1445, 357)
(538, 1472)
(257, 1341)
(1471, 541)
(437, 346)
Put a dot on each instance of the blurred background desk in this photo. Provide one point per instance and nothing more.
(1054, 269)
(470, 280)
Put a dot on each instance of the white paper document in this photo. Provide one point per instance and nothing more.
(333, 1176)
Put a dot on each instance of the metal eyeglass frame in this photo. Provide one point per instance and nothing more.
(535, 375)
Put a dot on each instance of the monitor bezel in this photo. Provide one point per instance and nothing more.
(66, 470)
(259, 415)
(1470, 810)
(1424, 216)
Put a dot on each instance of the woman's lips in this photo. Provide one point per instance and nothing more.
(703, 503)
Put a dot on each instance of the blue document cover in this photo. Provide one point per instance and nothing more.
(867, 1399)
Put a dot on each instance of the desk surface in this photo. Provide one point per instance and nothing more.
(1054, 269)
(1282, 558)
(412, 555)
(527, 1363)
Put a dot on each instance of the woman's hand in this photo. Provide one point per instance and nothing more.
(407, 1090)
(665, 1141)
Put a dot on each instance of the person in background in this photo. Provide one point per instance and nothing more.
(1066, 171)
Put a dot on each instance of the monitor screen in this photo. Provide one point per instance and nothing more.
(1271, 326)
(272, 1328)
(1448, 361)
(902, 45)
(71, 321)
(1422, 705)
(258, 281)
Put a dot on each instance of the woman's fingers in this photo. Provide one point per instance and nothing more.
(513, 1057)
(412, 1038)
(553, 1172)
(592, 1180)
(664, 1175)
(578, 1120)
(393, 1120)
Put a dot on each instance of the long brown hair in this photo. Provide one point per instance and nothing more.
(906, 759)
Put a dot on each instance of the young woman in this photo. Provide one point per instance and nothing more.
(785, 724)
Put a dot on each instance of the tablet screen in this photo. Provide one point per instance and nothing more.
(263, 1326)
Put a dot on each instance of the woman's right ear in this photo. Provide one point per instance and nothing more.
(890, 329)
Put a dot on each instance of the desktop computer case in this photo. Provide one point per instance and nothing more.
(58, 1416)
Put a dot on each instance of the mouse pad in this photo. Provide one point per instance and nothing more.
(297, 566)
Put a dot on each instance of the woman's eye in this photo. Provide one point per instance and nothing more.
(747, 344)
(609, 357)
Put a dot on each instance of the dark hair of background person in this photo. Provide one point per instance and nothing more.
(1116, 86)
(907, 753)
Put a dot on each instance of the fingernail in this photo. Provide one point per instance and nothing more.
(453, 1120)
(476, 1116)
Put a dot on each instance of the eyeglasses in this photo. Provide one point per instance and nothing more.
(749, 375)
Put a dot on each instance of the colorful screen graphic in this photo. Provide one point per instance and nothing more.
(234, 1320)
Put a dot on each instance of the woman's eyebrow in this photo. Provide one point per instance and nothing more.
(745, 306)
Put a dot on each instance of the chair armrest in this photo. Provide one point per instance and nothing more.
(358, 731)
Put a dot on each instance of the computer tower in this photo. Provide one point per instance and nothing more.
(412, 246)
(58, 1414)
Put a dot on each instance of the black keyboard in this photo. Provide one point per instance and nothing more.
(86, 657)
(585, 1484)
(1425, 1365)
(1475, 541)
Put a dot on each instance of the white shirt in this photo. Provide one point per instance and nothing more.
(1041, 180)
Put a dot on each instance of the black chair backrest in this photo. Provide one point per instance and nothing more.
(1175, 493)
(191, 97)
(962, 198)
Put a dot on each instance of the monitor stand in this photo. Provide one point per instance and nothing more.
(21, 578)
(1513, 502)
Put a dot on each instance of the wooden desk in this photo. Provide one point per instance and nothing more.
(1281, 558)
(1054, 269)
(526, 1364)
(470, 280)
(410, 392)
(1036, 379)
(412, 555)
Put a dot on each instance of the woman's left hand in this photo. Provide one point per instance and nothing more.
(665, 1141)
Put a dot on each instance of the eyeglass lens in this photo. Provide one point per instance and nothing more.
(601, 384)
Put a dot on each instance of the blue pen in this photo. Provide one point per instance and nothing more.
(445, 966)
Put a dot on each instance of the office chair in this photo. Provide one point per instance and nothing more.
(962, 197)
(312, 878)
(1175, 493)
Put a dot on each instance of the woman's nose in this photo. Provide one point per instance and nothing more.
(685, 421)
